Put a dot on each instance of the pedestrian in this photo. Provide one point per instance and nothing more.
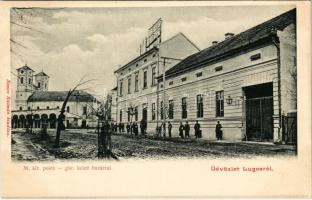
(122, 127)
(135, 129)
(119, 127)
(219, 131)
(143, 126)
(197, 130)
(187, 130)
(169, 129)
(181, 129)
(128, 128)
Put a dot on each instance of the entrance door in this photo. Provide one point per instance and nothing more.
(259, 112)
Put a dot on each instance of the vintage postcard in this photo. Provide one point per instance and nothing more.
(155, 99)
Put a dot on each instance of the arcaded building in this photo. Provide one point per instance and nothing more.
(36, 105)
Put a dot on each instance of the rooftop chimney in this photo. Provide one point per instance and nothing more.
(214, 43)
(228, 35)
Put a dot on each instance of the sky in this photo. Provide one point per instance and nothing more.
(70, 43)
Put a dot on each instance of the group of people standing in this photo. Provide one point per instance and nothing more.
(184, 130)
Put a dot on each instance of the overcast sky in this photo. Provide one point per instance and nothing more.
(95, 41)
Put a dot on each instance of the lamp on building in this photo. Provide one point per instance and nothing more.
(229, 100)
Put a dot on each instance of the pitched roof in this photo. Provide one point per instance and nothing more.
(25, 67)
(233, 44)
(41, 74)
(80, 96)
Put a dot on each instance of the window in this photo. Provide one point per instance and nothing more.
(153, 76)
(67, 108)
(219, 104)
(183, 79)
(171, 109)
(184, 108)
(38, 108)
(200, 109)
(199, 74)
(145, 60)
(20, 108)
(136, 113)
(38, 85)
(153, 111)
(28, 108)
(120, 116)
(136, 82)
(22, 80)
(57, 107)
(171, 83)
(120, 88)
(219, 68)
(29, 81)
(161, 110)
(48, 107)
(129, 85)
(255, 57)
(137, 64)
(84, 110)
(45, 86)
(145, 79)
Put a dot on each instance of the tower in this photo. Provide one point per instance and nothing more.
(42, 81)
(24, 86)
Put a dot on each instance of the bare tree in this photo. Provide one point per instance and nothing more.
(61, 117)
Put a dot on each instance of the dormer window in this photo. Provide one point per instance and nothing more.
(255, 57)
(171, 83)
(219, 68)
(137, 64)
(183, 79)
(145, 60)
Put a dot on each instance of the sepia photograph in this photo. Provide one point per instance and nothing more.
(129, 83)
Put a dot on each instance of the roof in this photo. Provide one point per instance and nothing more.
(60, 96)
(180, 33)
(232, 45)
(137, 59)
(25, 67)
(115, 88)
(41, 74)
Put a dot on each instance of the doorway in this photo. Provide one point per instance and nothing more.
(259, 112)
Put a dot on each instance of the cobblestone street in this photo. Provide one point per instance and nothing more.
(82, 144)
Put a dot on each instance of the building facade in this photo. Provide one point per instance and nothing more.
(36, 105)
(137, 86)
(247, 82)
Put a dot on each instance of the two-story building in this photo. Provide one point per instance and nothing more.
(137, 86)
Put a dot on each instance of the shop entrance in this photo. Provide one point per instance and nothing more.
(259, 112)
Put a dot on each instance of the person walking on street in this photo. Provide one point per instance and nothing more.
(197, 130)
(169, 129)
(187, 130)
(181, 129)
(219, 131)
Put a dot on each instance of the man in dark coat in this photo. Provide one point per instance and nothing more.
(218, 131)
(197, 129)
(169, 129)
(181, 129)
(143, 127)
(128, 127)
(135, 129)
(187, 130)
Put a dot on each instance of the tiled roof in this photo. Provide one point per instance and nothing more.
(79, 96)
(233, 44)
(41, 74)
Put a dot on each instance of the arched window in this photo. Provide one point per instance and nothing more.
(21, 108)
(22, 80)
(39, 85)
